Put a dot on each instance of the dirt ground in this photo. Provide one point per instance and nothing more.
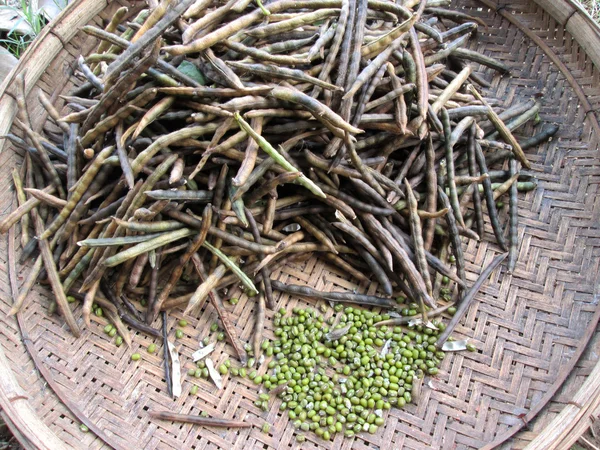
(590, 440)
(7, 440)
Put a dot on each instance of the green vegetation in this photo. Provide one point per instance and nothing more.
(15, 41)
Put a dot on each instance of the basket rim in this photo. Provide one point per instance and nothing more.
(30, 429)
(586, 15)
(25, 425)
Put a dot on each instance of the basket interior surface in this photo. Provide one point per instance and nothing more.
(526, 325)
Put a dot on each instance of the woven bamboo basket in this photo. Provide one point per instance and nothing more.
(533, 380)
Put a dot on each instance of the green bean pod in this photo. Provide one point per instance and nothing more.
(454, 235)
(77, 193)
(348, 297)
(417, 236)
(489, 198)
(279, 159)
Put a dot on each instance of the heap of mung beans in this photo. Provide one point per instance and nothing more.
(344, 382)
(206, 145)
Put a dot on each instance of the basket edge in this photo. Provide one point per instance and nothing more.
(34, 62)
(578, 24)
(565, 428)
(28, 428)
(15, 404)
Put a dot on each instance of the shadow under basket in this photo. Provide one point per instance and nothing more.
(531, 327)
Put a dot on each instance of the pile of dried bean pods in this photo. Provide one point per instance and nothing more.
(209, 144)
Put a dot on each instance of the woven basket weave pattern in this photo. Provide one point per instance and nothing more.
(526, 325)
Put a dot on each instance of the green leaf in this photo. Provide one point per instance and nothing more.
(189, 69)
